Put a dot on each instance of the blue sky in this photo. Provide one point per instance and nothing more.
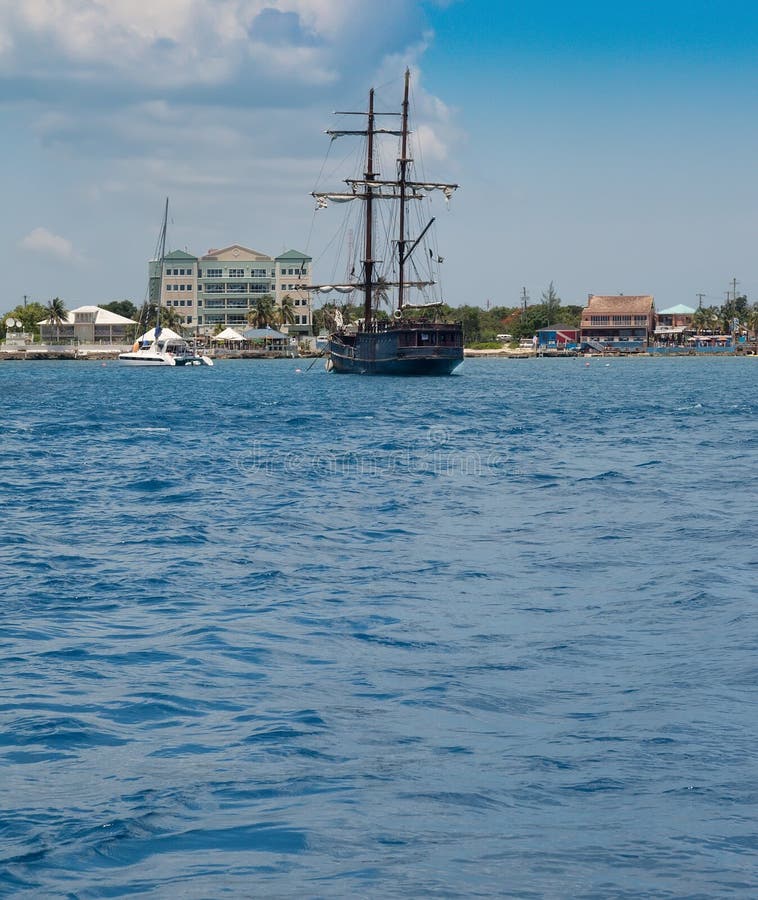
(606, 147)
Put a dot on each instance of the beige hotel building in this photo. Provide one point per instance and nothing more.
(221, 287)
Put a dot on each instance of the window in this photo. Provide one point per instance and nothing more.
(236, 273)
(213, 273)
(189, 287)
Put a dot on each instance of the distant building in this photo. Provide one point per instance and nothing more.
(673, 325)
(619, 322)
(268, 338)
(221, 287)
(177, 285)
(676, 316)
(88, 325)
(559, 337)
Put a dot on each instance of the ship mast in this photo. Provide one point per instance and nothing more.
(372, 187)
(368, 262)
(402, 181)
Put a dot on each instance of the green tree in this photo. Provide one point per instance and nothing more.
(324, 318)
(381, 294)
(122, 308)
(287, 310)
(731, 310)
(471, 319)
(264, 313)
(171, 318)
(57, 315)
(529, 322)
(30, 315)
(571, 315)
(551, 304)
(706, 319)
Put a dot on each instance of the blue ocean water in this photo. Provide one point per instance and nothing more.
(271, 633)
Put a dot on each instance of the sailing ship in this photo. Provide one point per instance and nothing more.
(413, 340)
(161, 346)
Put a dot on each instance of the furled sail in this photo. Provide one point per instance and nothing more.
(328, 288)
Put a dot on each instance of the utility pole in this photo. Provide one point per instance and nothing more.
(524, 300)
(734, 289)
(700, 300)
(24, 301)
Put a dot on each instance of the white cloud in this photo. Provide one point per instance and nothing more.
(434, 131)
(40, 240)
(196, 42)
(432, 147)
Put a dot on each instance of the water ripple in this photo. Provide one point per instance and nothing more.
(303, 634)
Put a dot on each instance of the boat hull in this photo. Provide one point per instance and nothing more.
(144, 359)
(426, 350)
(149, 358)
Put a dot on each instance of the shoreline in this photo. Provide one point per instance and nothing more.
(112, 355)
(95, 356)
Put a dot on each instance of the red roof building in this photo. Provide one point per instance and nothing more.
(618, 322)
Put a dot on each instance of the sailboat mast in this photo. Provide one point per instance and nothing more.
(402, 179)
(161, 258)
(370, 175)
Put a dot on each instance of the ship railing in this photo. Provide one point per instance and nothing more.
(407, 323)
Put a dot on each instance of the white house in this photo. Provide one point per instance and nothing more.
(87, 325)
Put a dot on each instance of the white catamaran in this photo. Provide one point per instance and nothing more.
(162, 346)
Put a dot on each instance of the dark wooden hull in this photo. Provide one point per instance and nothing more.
(426, 349)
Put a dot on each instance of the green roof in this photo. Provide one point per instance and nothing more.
(294, 254)
(679, 310)
(179, 254)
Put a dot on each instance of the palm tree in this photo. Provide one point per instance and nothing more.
(170, 318)
(57, 315)
(752, 319)
(706, 318)
(264, 313)
(381, 293)
(287, 310)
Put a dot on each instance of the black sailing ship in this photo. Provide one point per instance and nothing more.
(413, 340)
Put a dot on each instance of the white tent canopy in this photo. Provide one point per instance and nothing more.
(165, 335)
(229, 334)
